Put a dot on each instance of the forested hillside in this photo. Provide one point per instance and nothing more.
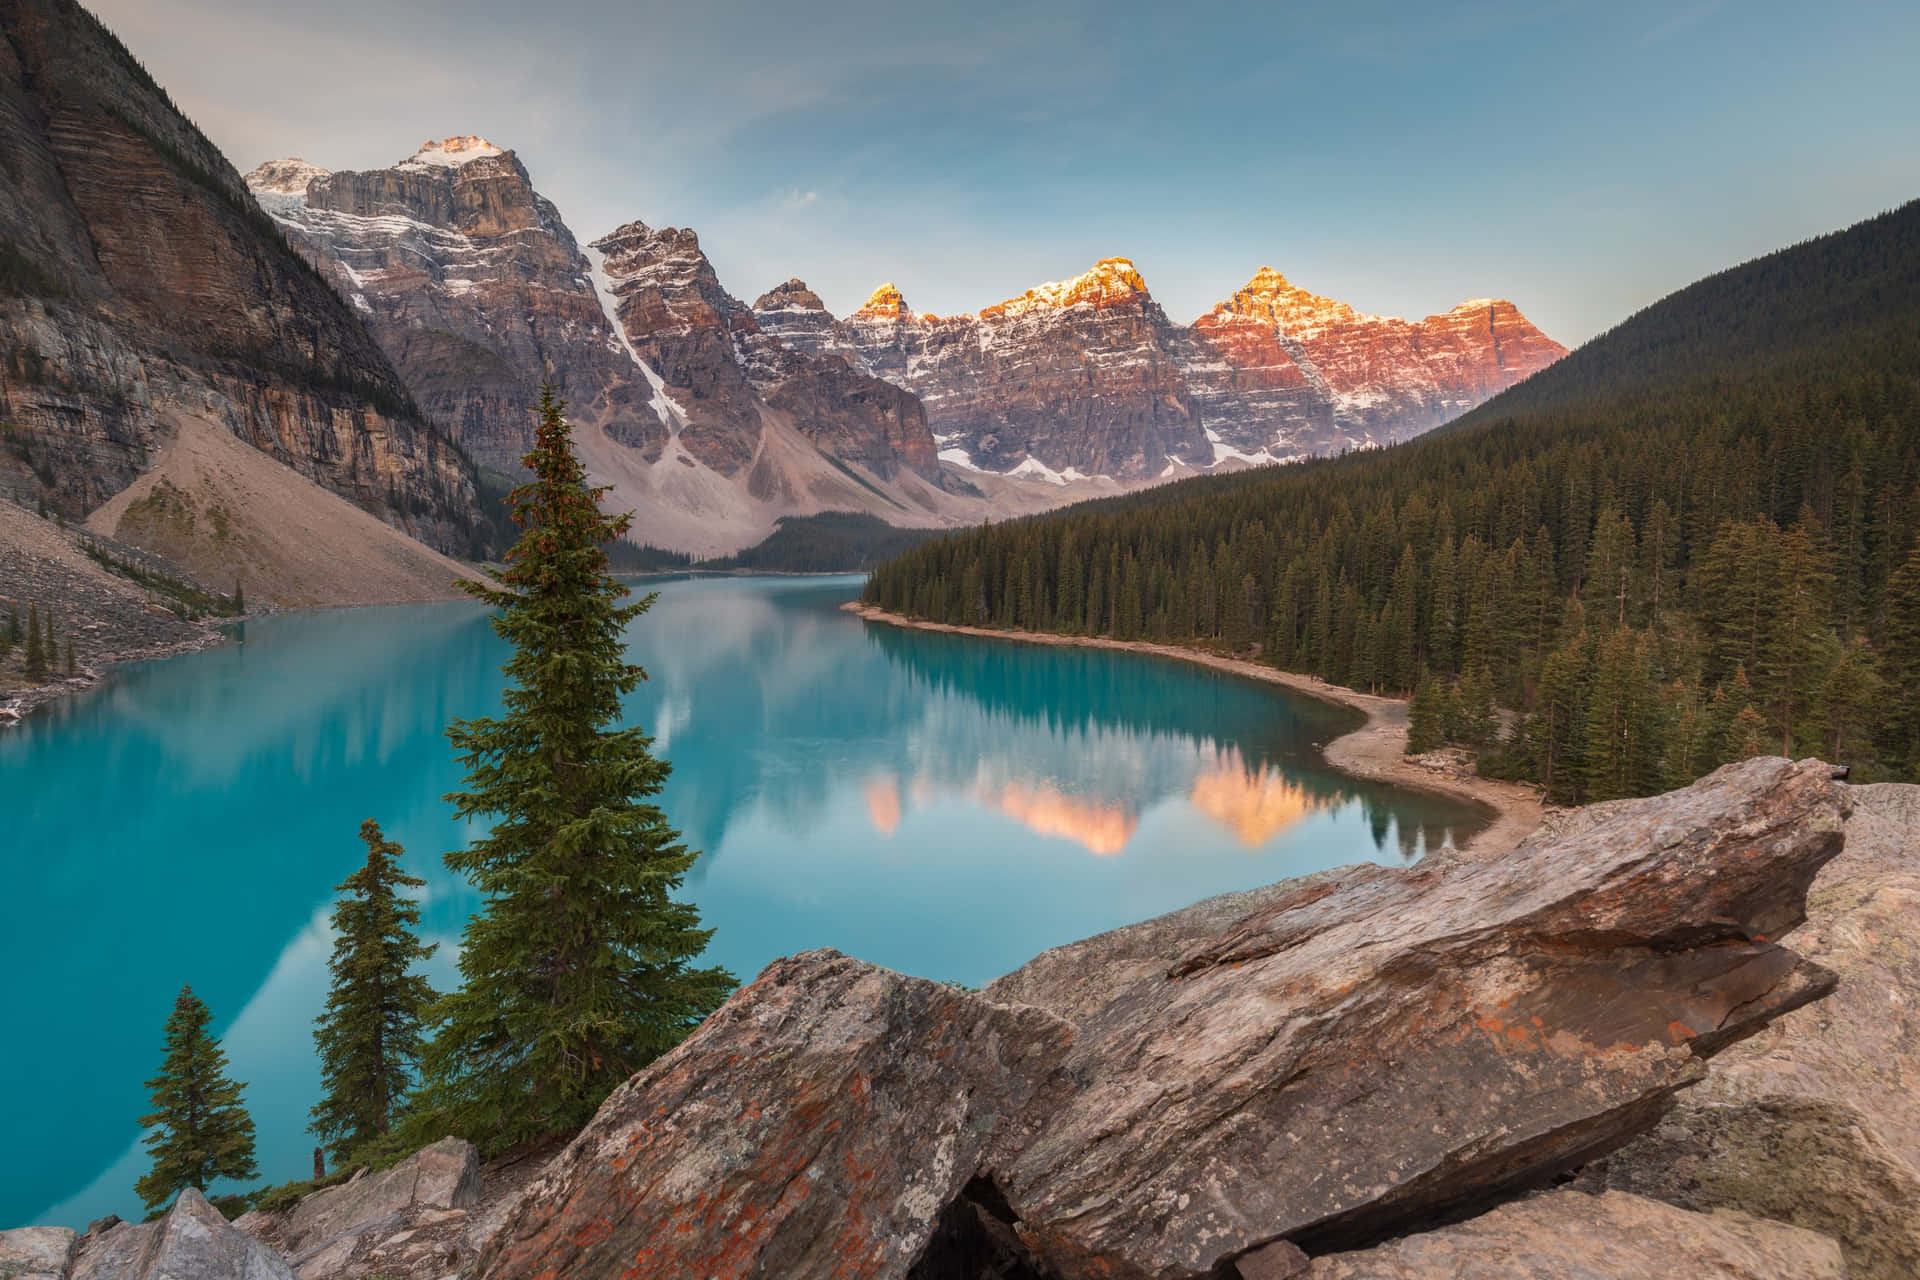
(1690, 541)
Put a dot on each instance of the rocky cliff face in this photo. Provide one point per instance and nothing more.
(1279, 370)
(1088, 377)
(473, 285)
(139, 282)
(476, 288)
(722, 367)
(1075, 379)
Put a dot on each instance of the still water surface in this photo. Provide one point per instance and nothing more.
(940, 805)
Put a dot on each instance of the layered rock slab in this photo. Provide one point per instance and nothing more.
(1567, 1235)
(1371, 1047)
(1816, 1121)
(820, 1124)
(192, 1242)
(35, 1253)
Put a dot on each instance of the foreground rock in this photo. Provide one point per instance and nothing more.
(192, 1242)
(413, 1220)
(1566, 1235)
(35, 1253)
(1376, 1047)
(819, 1124)
(1816, 1121)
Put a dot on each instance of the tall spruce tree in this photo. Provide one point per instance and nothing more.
(369, 1038)
(580, 968)
(201, 1130)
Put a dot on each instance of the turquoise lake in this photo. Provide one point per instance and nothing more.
(941, 805)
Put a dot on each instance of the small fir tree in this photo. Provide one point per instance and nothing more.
(201, 1131)
(579, 970)
(369, 1037)
(1426, 718)
(73, 668)
(35, 657)
(239, 597)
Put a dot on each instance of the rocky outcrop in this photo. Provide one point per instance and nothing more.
(419, 1220)
(1504, 1020)
(1816, 1121)
(143, 282)
(1087, 376)
(35, 1253)
(192, 1242)
(820, 1124)
(1566, 1235)
(1316, 1067)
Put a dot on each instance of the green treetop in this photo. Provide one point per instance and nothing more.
(369, 1037)
(201, 1131)
(579, 969)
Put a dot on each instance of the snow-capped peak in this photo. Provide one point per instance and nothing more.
(449, 153)
(286, 177)
(1111, 280)
(885, 301)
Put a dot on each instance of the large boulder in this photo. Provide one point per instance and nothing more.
(1816, 1121)
(1567, 1235)
(411, 1221)
(823, 1123)
(35, 1253)
(1375, 1047)
(192, 1242)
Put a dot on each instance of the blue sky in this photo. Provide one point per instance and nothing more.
(1581, 159)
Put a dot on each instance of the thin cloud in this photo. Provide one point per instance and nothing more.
(1685, 19)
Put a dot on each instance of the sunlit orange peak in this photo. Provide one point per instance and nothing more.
(1111, 280)
(885, 301)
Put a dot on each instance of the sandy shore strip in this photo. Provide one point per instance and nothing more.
(1376, 751)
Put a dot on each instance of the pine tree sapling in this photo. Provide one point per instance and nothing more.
(369, 1038)
(201, 1131)
(579, 969)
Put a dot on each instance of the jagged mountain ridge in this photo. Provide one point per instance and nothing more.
(1087, 376)
(710, 429)
(140, 286)
(713, 418)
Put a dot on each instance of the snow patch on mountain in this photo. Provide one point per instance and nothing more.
(671, 415)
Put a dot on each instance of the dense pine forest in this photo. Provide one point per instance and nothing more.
(1692, 540)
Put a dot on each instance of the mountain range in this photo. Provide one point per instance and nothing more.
(714, 418)
(187, 355)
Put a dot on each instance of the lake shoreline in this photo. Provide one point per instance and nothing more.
(1376, 751)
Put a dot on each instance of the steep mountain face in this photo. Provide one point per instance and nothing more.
(723, 368)
(141, 285)
(1075, 379)
(709, 428)
(1087, 376)
(473, 285)
(1279, 367)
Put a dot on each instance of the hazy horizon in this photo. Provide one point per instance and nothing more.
(1581, 163)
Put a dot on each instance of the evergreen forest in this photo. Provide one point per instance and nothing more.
(1690, 541)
